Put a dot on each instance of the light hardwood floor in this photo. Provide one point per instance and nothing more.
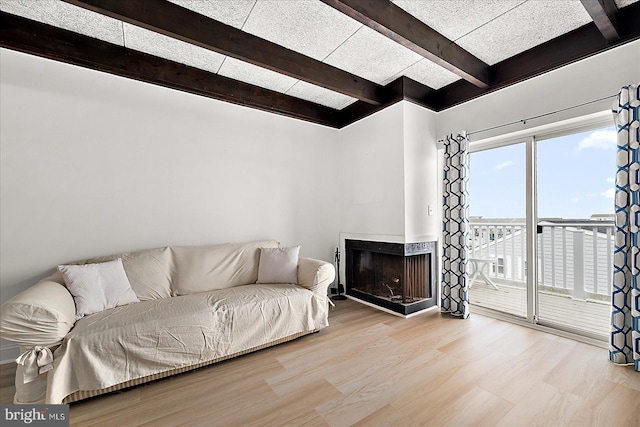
(371, 368)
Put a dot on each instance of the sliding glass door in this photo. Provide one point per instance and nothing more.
(497, 190)
(575, 189)
(547, 203)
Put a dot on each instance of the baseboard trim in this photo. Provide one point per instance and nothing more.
(386, 310)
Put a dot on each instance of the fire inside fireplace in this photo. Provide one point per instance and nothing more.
(396, 276)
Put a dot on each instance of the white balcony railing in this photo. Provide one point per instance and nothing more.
(575, 259)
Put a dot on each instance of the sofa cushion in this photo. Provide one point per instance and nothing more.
(149, 271)
(207, 268)
(278, 265)
(98, 287)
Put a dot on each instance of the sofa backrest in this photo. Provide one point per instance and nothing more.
(182, 270)
(205, 268)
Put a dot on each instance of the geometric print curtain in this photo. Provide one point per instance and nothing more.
(455, 242)
(624, 344)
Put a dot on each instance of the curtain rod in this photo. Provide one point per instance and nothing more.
(524, 121)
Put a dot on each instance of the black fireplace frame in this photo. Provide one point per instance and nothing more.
(398, 249)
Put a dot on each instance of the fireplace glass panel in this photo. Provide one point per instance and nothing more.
(394, 278)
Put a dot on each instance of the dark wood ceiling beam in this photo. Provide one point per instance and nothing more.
(46, 41)
(578, 44)
(393, 92)
(175, 21)
(402, 88)
(403, 28)
(43, 40)
(568, 48)
(605, 15)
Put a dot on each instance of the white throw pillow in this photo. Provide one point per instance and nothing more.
(278, 265)
(97, 287)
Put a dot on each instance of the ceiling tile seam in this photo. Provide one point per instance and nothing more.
(221, 64)
(286, 92)
(401, 72)
(341, 44)
(246, 18)
(491, 20)
(323, 59)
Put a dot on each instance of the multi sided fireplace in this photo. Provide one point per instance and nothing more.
(397, 276)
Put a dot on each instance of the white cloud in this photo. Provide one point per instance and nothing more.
(574, 200)
(503, 165)
(599, 139)
(611, 180)
(610, 193)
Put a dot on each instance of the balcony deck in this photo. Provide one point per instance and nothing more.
(590, 316)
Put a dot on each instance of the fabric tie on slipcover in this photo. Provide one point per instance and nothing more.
(36, 361)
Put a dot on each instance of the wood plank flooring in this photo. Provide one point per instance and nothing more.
(370, 368)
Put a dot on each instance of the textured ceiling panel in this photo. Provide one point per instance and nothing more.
(455, 18)
(230, 12)
(255, 75)
(623, 3)
(320, 95)
(69, 17)
(308, 27)
(430, 74)
(373, 56)
(175, 50)
(492, 30)
(524, 27)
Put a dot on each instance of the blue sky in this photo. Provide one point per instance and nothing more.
(575, 177)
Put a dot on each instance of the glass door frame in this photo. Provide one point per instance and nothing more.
(532, 224)
(530, 137)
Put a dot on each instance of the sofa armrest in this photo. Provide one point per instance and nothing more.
(41, 315)
(315, 275)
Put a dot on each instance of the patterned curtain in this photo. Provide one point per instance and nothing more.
(455, 243)
(624, 344)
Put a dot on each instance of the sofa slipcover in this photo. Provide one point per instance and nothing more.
(170, 330)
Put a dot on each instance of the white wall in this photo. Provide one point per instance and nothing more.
(421, 175)
(389, 175)
(371, 153)
(584, 81)
(94, 164)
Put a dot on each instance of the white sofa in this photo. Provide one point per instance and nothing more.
(198, 305)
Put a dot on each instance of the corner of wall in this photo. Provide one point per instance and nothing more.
(421, 175)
